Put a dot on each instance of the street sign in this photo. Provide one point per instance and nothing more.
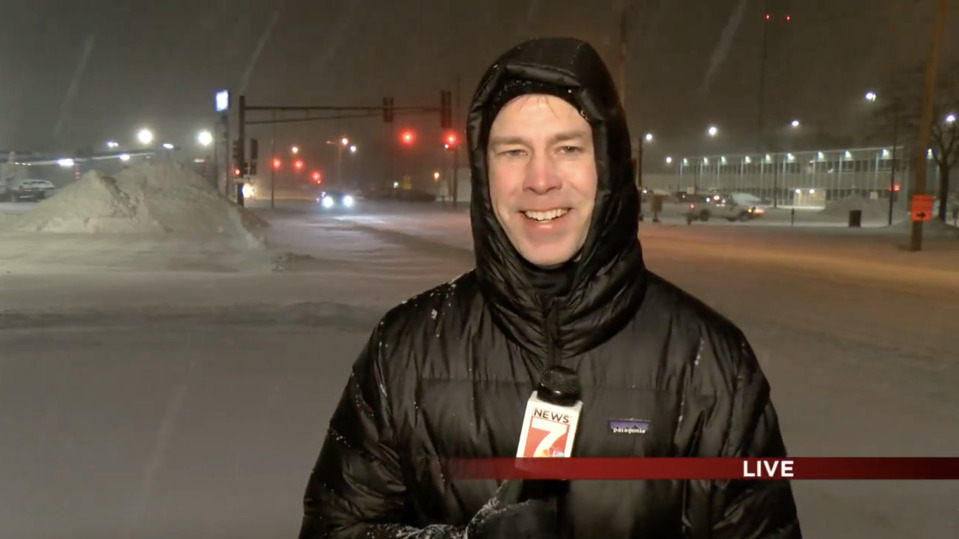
(921, 208)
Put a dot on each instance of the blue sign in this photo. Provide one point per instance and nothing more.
(222, 100)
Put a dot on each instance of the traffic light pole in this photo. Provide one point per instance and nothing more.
(241, 135)
(228, 170)
(387, 110)
(272, 166)
(456, 147)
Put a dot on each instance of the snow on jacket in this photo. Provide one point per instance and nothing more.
(448, 373)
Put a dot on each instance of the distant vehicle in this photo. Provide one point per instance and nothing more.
(720, 206)
(26, 190)
(336, 199)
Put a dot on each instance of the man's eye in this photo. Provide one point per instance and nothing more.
(571, 149)
(512, 153)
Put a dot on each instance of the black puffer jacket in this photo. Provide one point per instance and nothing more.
(448, 373)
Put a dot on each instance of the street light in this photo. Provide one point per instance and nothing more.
(112, 144)
(436, 176)
(205, 138)
(145, 136)
(713, 131)
(669, 160)
(649, 137)
(344, 141)
(295, 149)
(951, 118)
(795, 123)
(870, 96)
(353, 148)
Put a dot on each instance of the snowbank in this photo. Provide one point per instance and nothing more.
(871, 209)
(934, 228)
(149, 197)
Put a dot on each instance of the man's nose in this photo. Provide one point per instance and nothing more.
(541, 175)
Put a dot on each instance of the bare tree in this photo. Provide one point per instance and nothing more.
(898, 110)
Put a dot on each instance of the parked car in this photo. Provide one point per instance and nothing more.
(26, 190)
(721, 206)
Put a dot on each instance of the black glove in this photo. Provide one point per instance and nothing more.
(532, 519)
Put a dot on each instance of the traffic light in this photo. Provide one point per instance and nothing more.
(388, 109)
(407, 137)
(298, 164)
(317, 177)
(449, 141)
(237, 153)
(254, 150)
(446, 109)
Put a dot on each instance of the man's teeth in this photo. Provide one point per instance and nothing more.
(545, 215)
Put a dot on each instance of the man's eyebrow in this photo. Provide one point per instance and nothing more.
(567, 136)
(502, 141)
(558, 137)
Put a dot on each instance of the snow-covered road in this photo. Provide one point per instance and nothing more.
(192, 404)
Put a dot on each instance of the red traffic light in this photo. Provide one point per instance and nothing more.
(298, 165)
(407, 137)
(317, 177)
(237, 172)
(451, 139)
(276, 163)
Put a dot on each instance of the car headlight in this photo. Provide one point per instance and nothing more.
(327, 202)
(347, 201)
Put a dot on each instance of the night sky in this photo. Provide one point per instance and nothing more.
(80, 73)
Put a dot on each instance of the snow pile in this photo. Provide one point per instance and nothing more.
(871, 209)
(150, 197)
(934, 228)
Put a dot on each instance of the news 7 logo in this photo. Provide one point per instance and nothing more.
(547, 437)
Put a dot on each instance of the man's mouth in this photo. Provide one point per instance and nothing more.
(545, 216)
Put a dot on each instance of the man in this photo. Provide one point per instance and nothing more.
(559, 280)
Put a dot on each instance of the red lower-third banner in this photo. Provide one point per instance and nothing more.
(581, 468)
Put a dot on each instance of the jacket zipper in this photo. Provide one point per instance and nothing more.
(550, 327)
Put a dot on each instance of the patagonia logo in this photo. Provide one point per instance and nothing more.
(628, 426)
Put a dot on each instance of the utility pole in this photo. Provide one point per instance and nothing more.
(925, 121)
(273, 165)
(339, 163)
(761, 101)
(623, 39)
(892, 174)
(455, 191)
(623, 46)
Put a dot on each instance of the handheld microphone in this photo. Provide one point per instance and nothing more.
(549, 431)
(552, 415)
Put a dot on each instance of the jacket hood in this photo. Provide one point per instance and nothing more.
(609, 276)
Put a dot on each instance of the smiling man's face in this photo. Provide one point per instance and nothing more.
(542, 177)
